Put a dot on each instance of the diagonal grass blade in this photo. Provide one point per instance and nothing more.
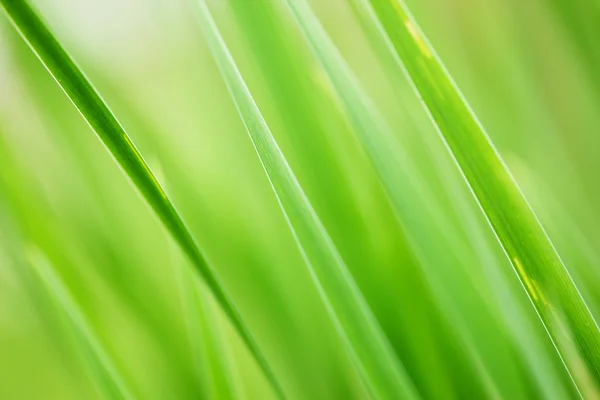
(374, 358)
(101, 368)
(512, 311)
(95, 111)
(534, 258)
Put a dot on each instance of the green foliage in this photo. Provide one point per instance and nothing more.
(103, 122)
(102, 369)
(543, 275)
(359, 219)
(383, 375)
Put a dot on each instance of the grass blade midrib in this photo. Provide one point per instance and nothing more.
(97, 114)
(527, 246)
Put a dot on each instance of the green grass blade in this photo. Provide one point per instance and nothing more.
(512, 311)
(101, 368)
(529, 249)
(429, 232)
(95, 111)
(562, 228)
(207, 339)
(368, 347)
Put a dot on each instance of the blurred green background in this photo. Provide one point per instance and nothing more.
(463, 328)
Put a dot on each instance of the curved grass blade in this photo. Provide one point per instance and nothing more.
(532, 255)
(95, 111)
(368, 347)
(101, 368)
